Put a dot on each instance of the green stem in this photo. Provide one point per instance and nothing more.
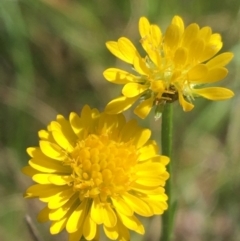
(166, 140)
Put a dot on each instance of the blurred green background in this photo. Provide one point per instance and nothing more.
(52, 55)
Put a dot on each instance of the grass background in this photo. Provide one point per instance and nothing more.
(52, 55)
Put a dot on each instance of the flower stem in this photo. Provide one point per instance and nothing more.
(166, 140)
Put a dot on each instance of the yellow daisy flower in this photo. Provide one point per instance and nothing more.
(176, 64)
(97, 170)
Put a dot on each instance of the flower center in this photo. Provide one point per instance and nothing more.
(103, 167)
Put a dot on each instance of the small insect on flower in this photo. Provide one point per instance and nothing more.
(176, 66)
(97, 170)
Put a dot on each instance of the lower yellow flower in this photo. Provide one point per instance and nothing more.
(97, 169)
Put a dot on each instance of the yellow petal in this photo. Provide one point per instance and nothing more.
(66, 129)
(107, 123)
(190, 33)
(86, 116)
(154, 56)
(141, 137)
(123, 232)
(41, 178)
(52, 150)
(172, 36)
(29, 171)
(150, 181)
(150, 169)
(179, 22)
(213, 75)
(144, 27)
(62, 141)
(39, 190)
(77, 125)
(128, 49)
(42, 163)
(215, 39)
(111, 232)
(144, 108)
(156, 35)
(212, 47)
(109, 216)
(89, 228)
(147, 151)
(122, 206)
(195, 50)
(44, 135)
(158, 86)
(77, 218)
(113, 48)
(140, 65)
(197, 72)
(118, 76)
(96, 211)
(32, 150)
(133, 89)
(60, 179)
(57, 226)
(43, 215)
(88, 120)
(76, 235)
(180, 57)
(138, 205)
(59, 213)
(120, 104)
(147, 190)
(186, 105)
(59, 199)
(131, 222)
(215, 93)
(129, 130)
(165, 160)
(157, 206)
(220, 60)
(205, 33)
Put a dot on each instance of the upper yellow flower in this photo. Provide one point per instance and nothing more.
(97, 169)
(176, 63)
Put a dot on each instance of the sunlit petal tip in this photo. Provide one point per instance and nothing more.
(165, 160)
(144, 27)
(110, 43)
(113, 47)
(178, 21)
(31, 150)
